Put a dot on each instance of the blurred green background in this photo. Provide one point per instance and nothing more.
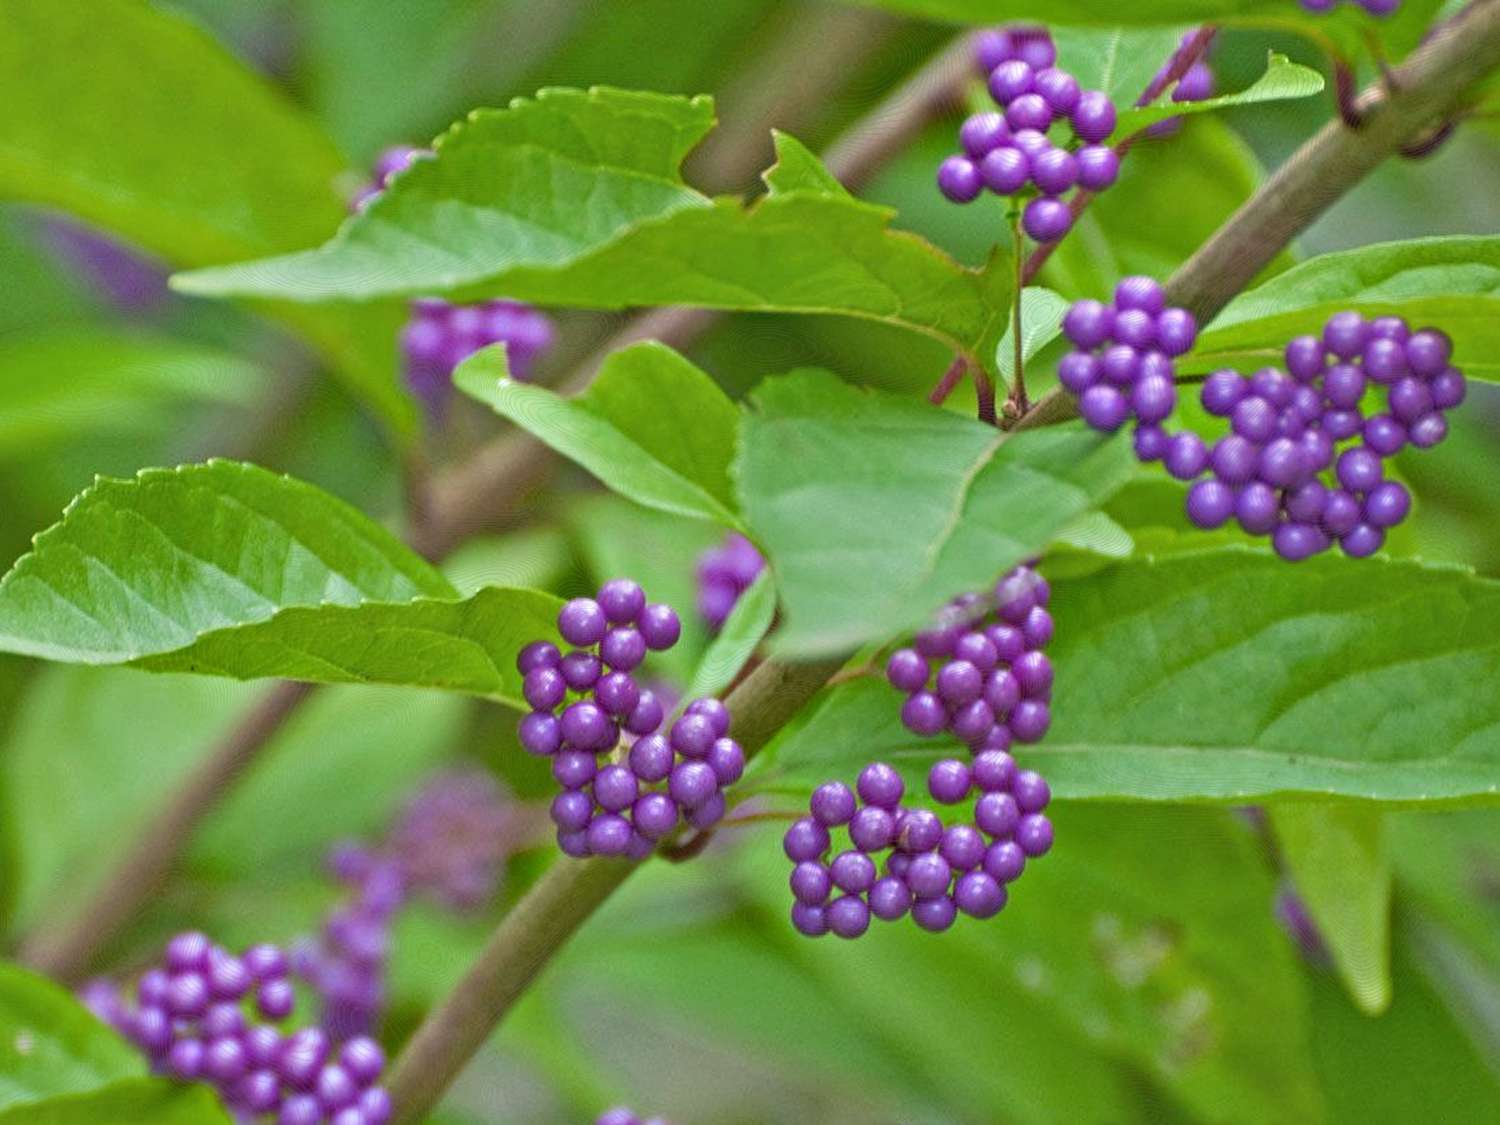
(1140, 974)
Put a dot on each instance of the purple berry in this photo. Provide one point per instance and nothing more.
(1093, 117)
(1047, 220)
(1059, 88)
(880, 785)
(1005, 170)
(621, 600)
(871, 830)
(1209, 504)
(609, 834)
(582, 622)
(934, 914)
(651, 758)
(923, 713)
(1186, 456)
(1103, 408)
(963, 847)
(949, 781)
(979, 895)
(1362, 541)
(811, 883)
(573, 769)
(1346, 334)
(959, 180)
(623, 649)
(654, 815)
(580, 671)
(1428, 430)
(890, 898)
(994, 771)
(659, 626)
(1088, 323)
(1054, 171)
(1428, 352)
(982, 133)
(1010, 80)
(811, 921)
(1222, 392)
(1359, 469)
(1387, 504)
(1297, 541)
(833, 804)
(848, 916)
(692, 783)
(1034, 834)
(540, 733)
(1004, 861)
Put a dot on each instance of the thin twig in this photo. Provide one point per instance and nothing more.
(1017, 404)
(950, 380)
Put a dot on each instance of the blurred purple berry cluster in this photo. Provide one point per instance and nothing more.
(724, 573)
(1195, 85)
(204, 1015)
(449, 843)
(440, 335)
(621, 795)
(981, 673)
(1009, 152)
(932, 871)
(622, 1116)
(1374, 7)
(1124, 363)
(132, 283)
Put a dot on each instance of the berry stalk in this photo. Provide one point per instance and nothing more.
(555, 908)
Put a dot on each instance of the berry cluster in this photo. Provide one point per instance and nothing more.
(622, 1116)
(993, 681)
(724, 573)
(935, 872)
(1374, 7)
(1287, 427)
(1010, 153)
(1123, 365)
(449, 843)
(1195, 85)
(620, 803)
(439, 335)
(204, 1015)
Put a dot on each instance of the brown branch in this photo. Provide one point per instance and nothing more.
(555, 908)
(949, 382)
(1429, 87)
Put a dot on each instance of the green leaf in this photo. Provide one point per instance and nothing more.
(1452, 283)
(58, 386)
(737, 641)
(875, 509)
(1229, 676)
(144, 1101)
(651, 426)
(1398, 1066)
(798, 169)
(1042, 313)
(1180, 972)
(50, 1044)
(144, 567)
(1337, 858)
(1086, 12)
(155, 132)
(1282, 81)
(574, 198)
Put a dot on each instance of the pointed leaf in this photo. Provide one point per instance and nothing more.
(1283, 80)
(798, 169)
(1042, 313)
(574, 198)
(141, 1101)
(1337, 858)
(737, 641)
(651, 426)
(875, 509)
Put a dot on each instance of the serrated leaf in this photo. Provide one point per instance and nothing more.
(574, 198)
(225, 569)
(1337, 859)
(1450, 283)
(737, 641)
(50, 1044)
(1229, 676)
(651, 426)
(155, 132)
(142, 1101)
(875, 509)
(1042, 313)
(54, 387)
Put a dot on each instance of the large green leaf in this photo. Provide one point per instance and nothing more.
(875, 509)
(574, 198)
(226, 569)
(651, 426)
(1336, 855)
(131, 117)
(1451, 283)
(142, 1101)
(51, 1045)
(1182, 974)
(1228, 675)
(54, 387)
